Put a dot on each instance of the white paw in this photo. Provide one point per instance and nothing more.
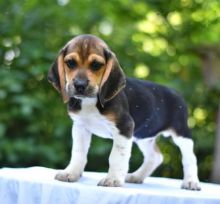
(111, 182)
(132, 178)
(191, 185)
(67, 176)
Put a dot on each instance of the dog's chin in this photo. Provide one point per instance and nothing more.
(84, 96)
(90, 93)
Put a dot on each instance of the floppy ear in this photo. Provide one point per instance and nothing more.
(113, 79)
(56, 76)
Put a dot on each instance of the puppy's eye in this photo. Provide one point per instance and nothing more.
(71, 63)
(95, 65)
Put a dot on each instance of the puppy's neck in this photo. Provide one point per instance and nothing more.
(76, 105)
(88, 102)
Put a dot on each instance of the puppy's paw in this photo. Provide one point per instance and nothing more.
(191, 185)
(67, 176)
(110, 182)
(133, 178)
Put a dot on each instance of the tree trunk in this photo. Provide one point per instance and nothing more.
(210, 56)
(216, 164)
(211, 66)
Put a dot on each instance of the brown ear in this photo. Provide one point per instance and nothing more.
(56, 76)
(113, 79)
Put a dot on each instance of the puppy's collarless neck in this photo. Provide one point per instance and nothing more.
(89, 101)
(75, 104)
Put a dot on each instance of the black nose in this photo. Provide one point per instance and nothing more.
(80, 85)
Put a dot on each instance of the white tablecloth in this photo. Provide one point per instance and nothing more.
(36, 185)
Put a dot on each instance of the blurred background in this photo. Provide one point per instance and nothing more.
(175, 43)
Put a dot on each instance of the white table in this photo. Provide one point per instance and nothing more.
(36, 185)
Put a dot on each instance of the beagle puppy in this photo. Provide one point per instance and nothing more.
(102, 101)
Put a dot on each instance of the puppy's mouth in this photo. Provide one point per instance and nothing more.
(89, 92)
(81, 96)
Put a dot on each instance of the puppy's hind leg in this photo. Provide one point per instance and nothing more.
(152, 159)
(190, 169)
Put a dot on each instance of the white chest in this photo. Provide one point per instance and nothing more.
(90, 118)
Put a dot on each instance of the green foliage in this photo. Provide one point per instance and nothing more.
(154, 40)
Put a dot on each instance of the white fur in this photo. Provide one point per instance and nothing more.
(118, 161)
(81, 142)
(168, 133)
(190, 169)
(87, 121)
(152, 159)
(189, 161)
(92, 120)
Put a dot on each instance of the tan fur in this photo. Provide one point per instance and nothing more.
(61, 72)
(70, 74)
(84, 51)
(111, 116)
(107, 72)
(99, 58)
(84, 62)
(73, 55)
(95, 78)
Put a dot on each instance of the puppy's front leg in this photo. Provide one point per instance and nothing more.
(81, 142)
(118, 162)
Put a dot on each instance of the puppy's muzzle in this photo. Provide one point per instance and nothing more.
(80, 85)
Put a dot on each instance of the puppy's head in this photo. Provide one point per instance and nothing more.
(86, 68)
